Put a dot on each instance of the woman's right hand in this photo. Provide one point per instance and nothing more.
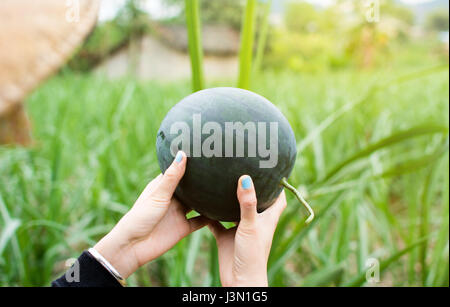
(244, 250)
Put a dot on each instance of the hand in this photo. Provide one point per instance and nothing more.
(155, 223)
(244, 250)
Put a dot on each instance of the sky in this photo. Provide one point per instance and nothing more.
(157, 10)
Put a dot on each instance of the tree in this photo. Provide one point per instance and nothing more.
(437, 20)
(301, 17)
(228, 12)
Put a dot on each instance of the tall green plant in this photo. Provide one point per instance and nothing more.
(247, 39)
(262, 37)
(195, 43)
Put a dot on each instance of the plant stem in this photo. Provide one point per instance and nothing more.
(195, 43)
(262, 38)
(424, 224)
(246, 51)
(300, 199)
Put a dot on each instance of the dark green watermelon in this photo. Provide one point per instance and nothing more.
(209, 184)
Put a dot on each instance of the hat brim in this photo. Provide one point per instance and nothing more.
(36, 39)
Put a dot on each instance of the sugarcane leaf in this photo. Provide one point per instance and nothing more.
(373, 89)
(391, 140)
(324, 277)
(288, 247)
(413, 165)
(360, 279)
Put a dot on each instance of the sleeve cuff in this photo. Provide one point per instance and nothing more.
(86, 272)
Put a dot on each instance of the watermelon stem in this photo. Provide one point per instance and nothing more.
(285, 183)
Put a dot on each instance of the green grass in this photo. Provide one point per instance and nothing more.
(94, 152)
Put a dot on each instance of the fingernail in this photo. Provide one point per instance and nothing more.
(246, 183)
(179, 157)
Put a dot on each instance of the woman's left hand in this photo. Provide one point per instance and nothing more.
(155, 223)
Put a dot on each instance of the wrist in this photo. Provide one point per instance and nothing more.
(254, 282)
(256, 278)
(119, 253)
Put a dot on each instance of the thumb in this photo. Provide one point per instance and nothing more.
(171, 177)
(247, 199)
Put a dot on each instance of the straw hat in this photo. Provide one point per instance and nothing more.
(36, 38)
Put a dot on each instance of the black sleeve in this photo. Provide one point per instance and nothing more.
(86, 272)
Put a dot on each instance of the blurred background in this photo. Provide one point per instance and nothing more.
(364, 85)
(148, 39)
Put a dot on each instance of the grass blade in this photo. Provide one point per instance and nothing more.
(213, 263)
(285, 249)
(195, 43)
(386, 142)
(369, 94)
(193, 250)
(418, 74)
(414, 164)
(440, 255)
(324, 277)
(360, 279)
(262, 38)
(8, 233)
(424, 224)
(246, 51)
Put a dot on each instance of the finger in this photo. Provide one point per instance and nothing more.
(150, 187)
(221, 233)
(185, 209)
(216, 228)
(178, 206)
(196, 223)
(172, 176)
(277, 208)
(247, 199)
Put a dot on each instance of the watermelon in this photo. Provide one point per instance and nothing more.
(226, 133)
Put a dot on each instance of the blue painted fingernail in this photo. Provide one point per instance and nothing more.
(246, 183)
(179, 157)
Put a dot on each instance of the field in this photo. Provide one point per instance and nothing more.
(372, 161)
